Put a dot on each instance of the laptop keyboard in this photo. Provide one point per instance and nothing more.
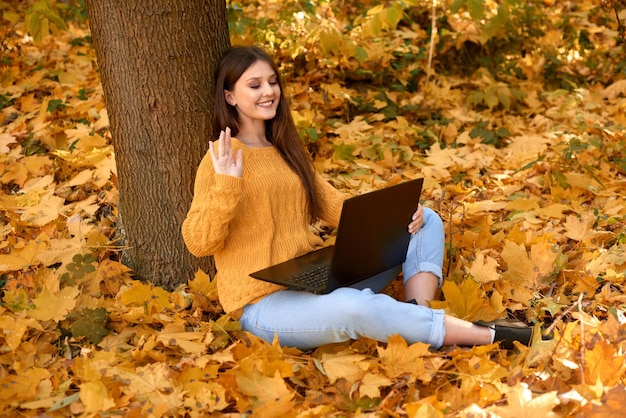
(316, 277)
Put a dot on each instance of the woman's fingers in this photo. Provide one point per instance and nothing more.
(214, 157)
(224, 162)
(417, 220)
(220, 144)
(226, 143)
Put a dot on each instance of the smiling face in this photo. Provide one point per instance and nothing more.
(256, 94)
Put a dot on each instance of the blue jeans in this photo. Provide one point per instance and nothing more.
(306, 320)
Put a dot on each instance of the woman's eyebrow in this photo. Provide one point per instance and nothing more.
(261, 77)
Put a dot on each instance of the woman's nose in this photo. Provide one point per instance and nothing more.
(267, 89)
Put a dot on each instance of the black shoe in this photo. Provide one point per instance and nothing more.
(508, 331)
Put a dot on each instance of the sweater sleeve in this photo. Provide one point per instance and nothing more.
(213, 207)
(331, 201)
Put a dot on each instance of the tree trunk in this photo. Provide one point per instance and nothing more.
(157, 60)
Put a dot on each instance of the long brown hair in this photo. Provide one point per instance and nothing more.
(280, 131)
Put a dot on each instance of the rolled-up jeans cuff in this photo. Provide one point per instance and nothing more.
(424, 267)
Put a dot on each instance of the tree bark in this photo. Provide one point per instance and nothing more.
(157, 60)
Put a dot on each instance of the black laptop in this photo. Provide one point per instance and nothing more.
(370, 246)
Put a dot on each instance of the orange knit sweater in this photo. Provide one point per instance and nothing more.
(252, 222)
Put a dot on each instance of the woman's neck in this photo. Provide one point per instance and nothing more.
(253, 140)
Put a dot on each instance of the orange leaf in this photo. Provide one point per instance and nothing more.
(604, 363)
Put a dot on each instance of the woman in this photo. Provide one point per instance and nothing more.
(256, 195)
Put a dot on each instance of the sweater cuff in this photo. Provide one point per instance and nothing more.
(225, 180)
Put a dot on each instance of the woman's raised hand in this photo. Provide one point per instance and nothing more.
(223, 161)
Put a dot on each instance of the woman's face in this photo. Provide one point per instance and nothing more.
(256, 94)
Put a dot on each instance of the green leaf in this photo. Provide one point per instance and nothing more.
(394, 15)
(312, 133)
(475, 98)
(39, 17)
(476, 9)
(16, 300)
(55, 104)
(345, 152)
(90, 324)
(456, 5)
(491, 99)
(65, 402)
(11, 16)
(81, 265)
(360, 54)
(504, 98)
(329, 40)
(550, 306)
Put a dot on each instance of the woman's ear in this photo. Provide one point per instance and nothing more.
(229, 98)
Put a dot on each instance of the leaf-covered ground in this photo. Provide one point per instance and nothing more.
(528, 175)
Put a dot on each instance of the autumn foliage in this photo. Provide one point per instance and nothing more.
(515, 118)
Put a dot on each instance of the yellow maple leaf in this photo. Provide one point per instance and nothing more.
(202, 284)
(580, 228)
(523, 205)
(54, 306)
(520, 273)
(21, 258)
(82, 177)
(357, 128)
(152, 383)
(554, 210)
(351, 367)
(424, 409)
(543, 256)
(160, 300)
(521, 403)
(525, 148)
(399, 358)
(611, 405)
(271, 397)
(484, 268)
(61, 250)
(615, 89)
(188, 342)
(468, 301)
(472, 208)
(209, 395)
(13, 329)
(371, 384)
(95, 397)
(16, 388)
(5, 140)
(136, 294)
(15, 173)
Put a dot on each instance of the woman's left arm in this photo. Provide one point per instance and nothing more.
(331, 201)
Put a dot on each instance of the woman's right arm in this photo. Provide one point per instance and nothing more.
(214, 205)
